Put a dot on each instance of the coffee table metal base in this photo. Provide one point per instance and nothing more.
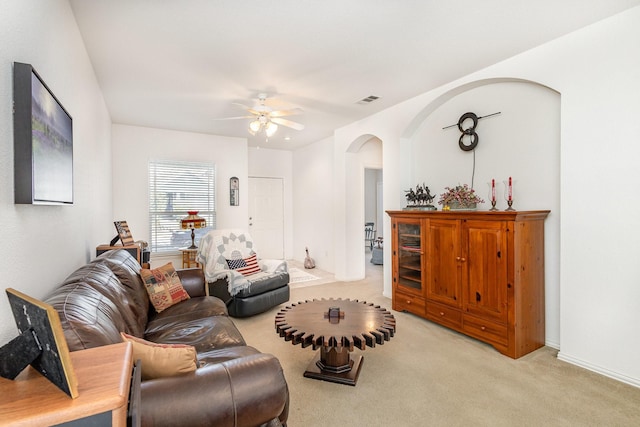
(348, 373)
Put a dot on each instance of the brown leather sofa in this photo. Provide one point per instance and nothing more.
(234, 385)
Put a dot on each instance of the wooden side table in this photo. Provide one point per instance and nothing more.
(189, 258)
(104, 376)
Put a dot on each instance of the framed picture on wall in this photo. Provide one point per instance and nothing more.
(42, 141)
(234, 189)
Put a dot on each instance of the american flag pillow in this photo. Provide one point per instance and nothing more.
(252, 266)
(235, 264)
(246, 266)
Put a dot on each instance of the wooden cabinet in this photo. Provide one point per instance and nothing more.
(408, 267)
(482, 273)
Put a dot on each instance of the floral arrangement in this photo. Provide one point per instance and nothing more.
(460, 195)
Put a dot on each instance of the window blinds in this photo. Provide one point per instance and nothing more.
(174, 189)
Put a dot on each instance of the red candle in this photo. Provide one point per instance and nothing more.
(510, 189)
(493, 190)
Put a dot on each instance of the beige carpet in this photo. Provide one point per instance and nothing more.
(428, 375)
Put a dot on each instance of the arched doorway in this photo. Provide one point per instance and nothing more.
(364, 153)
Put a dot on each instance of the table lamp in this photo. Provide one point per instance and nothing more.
(192, 221)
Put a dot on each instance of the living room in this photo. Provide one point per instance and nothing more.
(570, 148)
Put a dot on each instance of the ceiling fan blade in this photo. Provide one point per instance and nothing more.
(235, 118)
(287, 123)
(289, 112)
(272, 102)
(252, 110)
(244, 107)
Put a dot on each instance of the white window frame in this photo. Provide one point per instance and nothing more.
(176, 187)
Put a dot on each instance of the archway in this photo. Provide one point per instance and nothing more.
(364, 152)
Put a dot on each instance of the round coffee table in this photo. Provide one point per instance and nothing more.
(336, 326)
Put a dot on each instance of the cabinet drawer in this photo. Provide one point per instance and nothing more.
(444, 315)
(484, 330)
(406, 302)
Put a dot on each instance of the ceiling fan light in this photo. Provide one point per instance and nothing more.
(271, 128)
(254, 127)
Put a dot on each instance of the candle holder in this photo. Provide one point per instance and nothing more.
(508, 194)
(492, 195)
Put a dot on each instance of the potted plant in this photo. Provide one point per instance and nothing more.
(459, 197)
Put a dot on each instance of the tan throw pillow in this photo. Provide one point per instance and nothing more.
(162, 360)
(163, 286)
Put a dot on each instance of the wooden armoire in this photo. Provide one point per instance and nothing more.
(480, 273)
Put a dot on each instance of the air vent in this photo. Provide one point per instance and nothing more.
(369, 99)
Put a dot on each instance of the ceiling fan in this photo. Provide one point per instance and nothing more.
(266, 118)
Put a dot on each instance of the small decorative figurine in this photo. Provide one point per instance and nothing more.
(420, 199)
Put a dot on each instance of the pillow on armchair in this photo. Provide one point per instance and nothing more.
(245, 266)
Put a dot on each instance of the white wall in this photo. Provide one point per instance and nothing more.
(371, 179)
(313, 198)
(44, 244)
(266, 163)
(371, 158)
(134, 146)
(596, 72)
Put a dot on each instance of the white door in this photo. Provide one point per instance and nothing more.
(266, 216)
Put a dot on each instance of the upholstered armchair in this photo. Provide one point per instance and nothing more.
(236, 274)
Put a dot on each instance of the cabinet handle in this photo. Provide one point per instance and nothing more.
(460, 259)
(408, 301)
(441, 314)
(483, 328)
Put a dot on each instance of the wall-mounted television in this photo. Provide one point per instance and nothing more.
(42, 141)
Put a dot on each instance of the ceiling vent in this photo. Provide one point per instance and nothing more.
(369, 99)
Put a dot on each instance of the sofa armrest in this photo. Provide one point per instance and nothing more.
(193, 281)
(247, 391)
(274, 265)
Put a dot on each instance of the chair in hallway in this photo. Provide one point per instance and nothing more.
(369, 235)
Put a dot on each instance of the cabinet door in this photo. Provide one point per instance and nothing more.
(409, 251)
(485, 275)
(444, 262)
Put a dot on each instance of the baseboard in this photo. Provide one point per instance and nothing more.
(552, 344)
(599, 370)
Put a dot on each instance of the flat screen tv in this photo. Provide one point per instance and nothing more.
(43, 141)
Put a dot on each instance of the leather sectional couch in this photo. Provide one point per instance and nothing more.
(234, 384)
